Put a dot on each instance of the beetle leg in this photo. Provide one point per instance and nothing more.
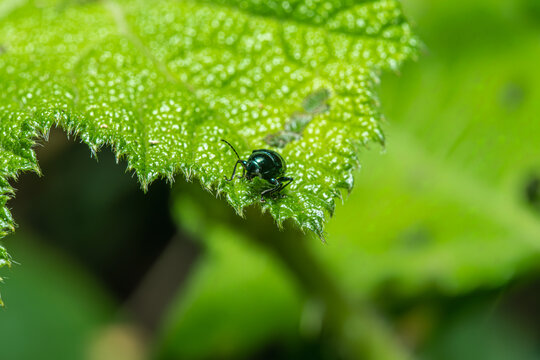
(280, 183)
(241, 162)
(271, 190)
(281, 180)
(243, 170)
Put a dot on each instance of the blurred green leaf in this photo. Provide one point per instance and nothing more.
(53, 308)
(238, 299)
(477, 332)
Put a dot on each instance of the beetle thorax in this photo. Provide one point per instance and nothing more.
(265, 164)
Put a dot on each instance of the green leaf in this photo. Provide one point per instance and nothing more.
(163, 82)
(216, 316)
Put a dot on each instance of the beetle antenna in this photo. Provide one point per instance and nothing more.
(226, 142)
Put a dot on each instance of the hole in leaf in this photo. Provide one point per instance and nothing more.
(314, 104)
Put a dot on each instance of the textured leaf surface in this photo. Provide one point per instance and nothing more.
(163, 82)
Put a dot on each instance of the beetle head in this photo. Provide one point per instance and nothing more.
(252, 170)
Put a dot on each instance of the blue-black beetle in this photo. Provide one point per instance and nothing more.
(266, 164)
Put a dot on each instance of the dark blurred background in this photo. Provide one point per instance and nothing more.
(441, 234)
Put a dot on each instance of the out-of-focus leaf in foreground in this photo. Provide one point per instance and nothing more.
(163, 82)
